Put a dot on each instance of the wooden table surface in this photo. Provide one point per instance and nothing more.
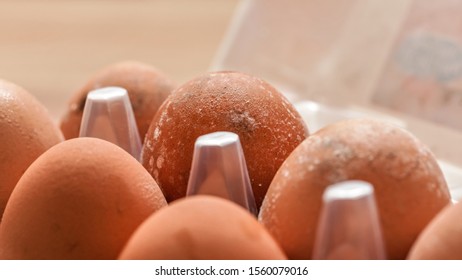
(51, 47)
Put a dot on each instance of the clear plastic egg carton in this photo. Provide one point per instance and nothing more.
(399, 61)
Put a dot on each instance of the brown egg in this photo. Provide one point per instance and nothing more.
(268, 126)
(201, 228)
(82, 199)
(409, 186)
(442, 238)
(26, 131)
(147, 89)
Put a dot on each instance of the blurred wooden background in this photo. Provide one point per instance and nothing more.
(51, 47)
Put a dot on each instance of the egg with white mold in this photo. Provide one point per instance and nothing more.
(268, 126)
(409, 186)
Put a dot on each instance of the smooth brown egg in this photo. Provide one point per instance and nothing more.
(82, 199)
(442, 238)
(268, 126)
(409, 186)
(26, 131)
(201, 228)
(147, 88)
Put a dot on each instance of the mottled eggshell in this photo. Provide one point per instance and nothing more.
(268, 126)
(201, 228)
(26, 131)
(147, 88)
(409, 186)
(442, 238)
(82, 199)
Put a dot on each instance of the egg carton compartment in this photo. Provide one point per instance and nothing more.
(322, 110)
(337, 235)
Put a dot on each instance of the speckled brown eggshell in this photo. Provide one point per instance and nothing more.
(26, 131)
(147, 88)
(409, 186)
(82, 199)
(442, 238)
(202, 228)
(268, 126)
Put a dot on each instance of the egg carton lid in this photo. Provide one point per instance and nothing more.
(321, 63)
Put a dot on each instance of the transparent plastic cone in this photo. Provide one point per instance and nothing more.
(349, 227)
(108, 115)
(218, 168)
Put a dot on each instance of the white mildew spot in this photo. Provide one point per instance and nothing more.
(151, 163)
(243, 119)
(313, 164)
(160, 162)
(285, 173)
(302, 158)
(156, 133)
(163, 116)
(149, 145)
(343, 153)
(269, 206)
(311, 167)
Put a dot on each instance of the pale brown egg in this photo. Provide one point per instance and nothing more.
(409, 186)
(82, 199)
(268, 126)
(442, 238)
(26, 131)
(147, 88)
(201, 228)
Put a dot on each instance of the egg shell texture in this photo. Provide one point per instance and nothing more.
(409, 186)
(268, 126)
(26, 131)
(82, 199)
(202, 228)
(147, 88)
